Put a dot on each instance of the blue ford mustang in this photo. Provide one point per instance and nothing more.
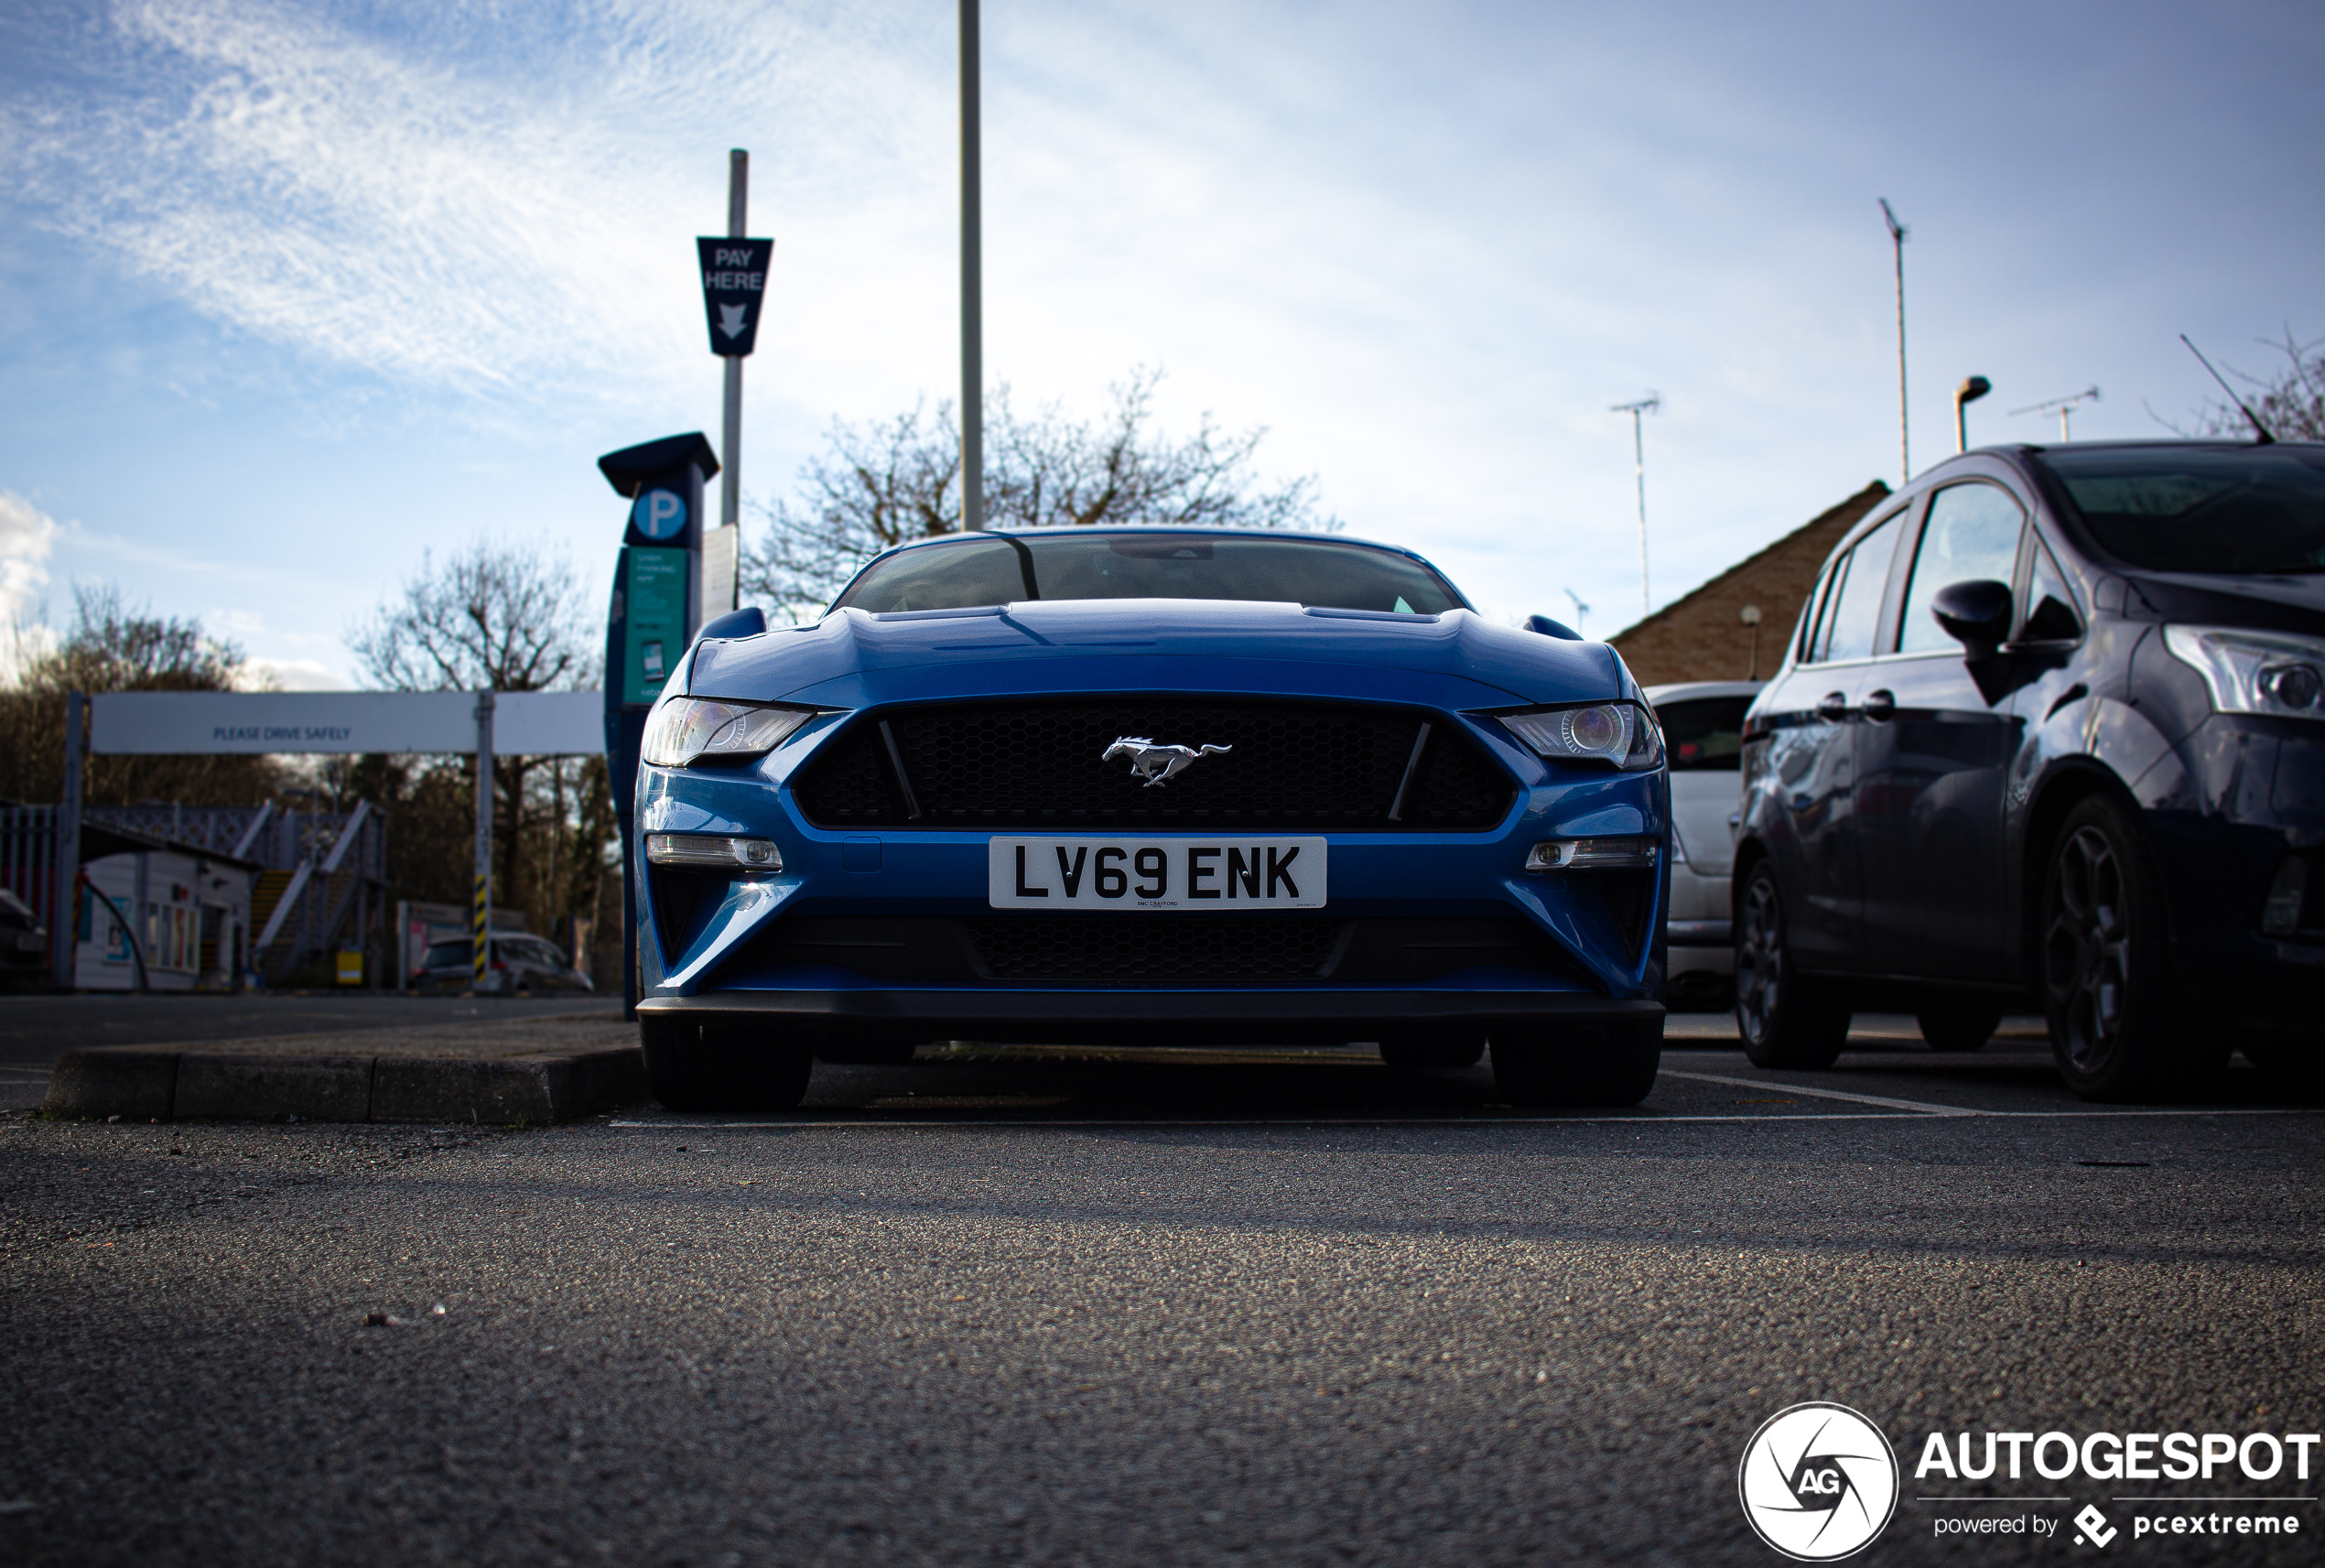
(1169, 786)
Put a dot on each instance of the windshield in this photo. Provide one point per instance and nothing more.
(445, 955)
(1000, 569)
(2253, 508)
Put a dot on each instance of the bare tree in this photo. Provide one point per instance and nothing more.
(493, 616)
(2290, 401)
(878, 485)
(114, 648)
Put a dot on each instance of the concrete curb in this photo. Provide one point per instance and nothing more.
(150, 1084)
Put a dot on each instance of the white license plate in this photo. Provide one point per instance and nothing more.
(1156, 874)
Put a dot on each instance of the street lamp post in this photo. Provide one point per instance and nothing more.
(1968, 392)
(1651, 404)
(972, 286)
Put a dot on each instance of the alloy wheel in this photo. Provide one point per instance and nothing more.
(1760, 961)
(2087, 947)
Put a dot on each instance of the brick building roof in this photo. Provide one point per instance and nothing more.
(1701, 635)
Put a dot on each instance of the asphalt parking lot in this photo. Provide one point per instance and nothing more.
(1114, 1307)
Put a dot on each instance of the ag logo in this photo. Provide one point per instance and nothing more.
(659, 513)
(1818, 1481)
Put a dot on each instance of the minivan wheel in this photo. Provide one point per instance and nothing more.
(693, 1065)
(1785, 1020)
(2122, 1027)
(1958, 1025)
(1610, 1066)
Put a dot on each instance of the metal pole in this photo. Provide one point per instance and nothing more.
(65, 924)
(972, 287)
(731, 454)
(1904, 439)
(480, 926)
(1639, 456)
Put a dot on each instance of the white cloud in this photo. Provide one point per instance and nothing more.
(292, 675)
(26, 536)
(475, 200)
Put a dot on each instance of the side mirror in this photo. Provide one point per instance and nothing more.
(745, 623)
(1975, 614)
(1548, 628)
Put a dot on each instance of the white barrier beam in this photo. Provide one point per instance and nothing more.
(184, 723)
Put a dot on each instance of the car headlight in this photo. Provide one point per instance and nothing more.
(685, 730)
(1621, 734)
(2276, 673)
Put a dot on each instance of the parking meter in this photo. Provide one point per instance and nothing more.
(652, 617)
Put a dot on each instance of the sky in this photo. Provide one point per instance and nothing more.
(293, 295)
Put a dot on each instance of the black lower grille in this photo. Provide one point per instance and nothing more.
(1309, 766)
(1118, 947)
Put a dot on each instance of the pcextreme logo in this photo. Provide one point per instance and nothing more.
(1819, 1482)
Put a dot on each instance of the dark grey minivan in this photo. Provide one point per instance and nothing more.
(2051, 734)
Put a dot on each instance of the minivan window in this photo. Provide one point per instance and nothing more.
(2052, 618)
(1704, 734)
(1855, 612)
(1971, 536)
(2178, 509)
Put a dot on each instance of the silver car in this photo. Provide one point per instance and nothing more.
(1703, 737)
(515, 964)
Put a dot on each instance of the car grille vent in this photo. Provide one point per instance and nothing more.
(1219, 949)
(1028, 766)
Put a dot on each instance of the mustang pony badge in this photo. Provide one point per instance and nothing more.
(1158, 764)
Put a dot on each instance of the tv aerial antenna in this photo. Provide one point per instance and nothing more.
(2062, 407)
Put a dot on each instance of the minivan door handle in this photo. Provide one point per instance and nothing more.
(1880, 706)
(1834, 706)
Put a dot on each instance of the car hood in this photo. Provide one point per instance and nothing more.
(851, 658)
(2284, 603)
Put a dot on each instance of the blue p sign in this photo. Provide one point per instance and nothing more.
(659, 513)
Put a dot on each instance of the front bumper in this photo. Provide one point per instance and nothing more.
(705, 948)
(2236, 801)
(1144, 1017)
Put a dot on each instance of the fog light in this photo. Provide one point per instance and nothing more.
(1592, 855)
(710, 851)
(2281, 915)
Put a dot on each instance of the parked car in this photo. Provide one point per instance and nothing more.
(513, 962)
(1174, 786)
(2051, 733)
(24, 941)
(1702, 725)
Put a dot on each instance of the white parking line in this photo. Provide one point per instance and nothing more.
(1393, 1121)
(1926, 1106)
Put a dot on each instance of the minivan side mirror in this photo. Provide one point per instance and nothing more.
(1548, 628)
(1975, 614)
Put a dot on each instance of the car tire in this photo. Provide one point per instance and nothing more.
(1608, 1066)
(698, 1066)
(1784, 1019)
(1959, 1026)
(2123, 1028)
(1431, 1055)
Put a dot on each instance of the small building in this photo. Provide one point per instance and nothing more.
(188, 911)
(1734, 626)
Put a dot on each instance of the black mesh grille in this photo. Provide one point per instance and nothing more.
(1290, 766)
(1153, 947)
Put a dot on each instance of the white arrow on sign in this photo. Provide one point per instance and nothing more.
(730, 320)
